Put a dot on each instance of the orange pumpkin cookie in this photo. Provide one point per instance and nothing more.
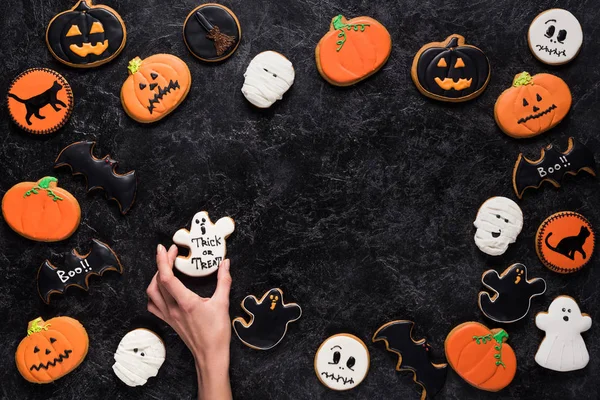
(41, 211)
(480, 356)
(40, 100)
(155, 87)
(565, 242)
(352, 50)
(532, 105)
(51, 349)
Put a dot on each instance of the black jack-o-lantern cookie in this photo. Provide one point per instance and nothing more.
(450, 70)
(40, 100)
(513, 293)
(269, 320)
(212, 32)
(87, 35)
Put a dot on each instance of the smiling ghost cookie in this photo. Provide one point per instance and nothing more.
(155, 87)
(450, 70)
(342, 362)
(555, 36)
(352, 50)
(532, 105)
(51, 349)
(268, 76)
(139, 356)
(512, 296)
(206, 242)
(269, 320)
(499, 221)
(87, 35)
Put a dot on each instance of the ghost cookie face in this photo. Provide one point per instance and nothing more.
(206, 242)
(139, 356)
(563, 348)
(499, 221)
(555, 36)
(268, 76)
(269, 319)
(342, 362)
(512, 293)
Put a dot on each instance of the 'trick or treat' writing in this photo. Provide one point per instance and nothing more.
(208, 259)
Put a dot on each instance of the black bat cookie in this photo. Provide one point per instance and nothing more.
(77, 270)
(513, 295)
(552, 166)
(100, 173)
(270, 317)
(414, 356)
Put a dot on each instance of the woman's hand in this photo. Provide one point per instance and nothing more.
(202, 323)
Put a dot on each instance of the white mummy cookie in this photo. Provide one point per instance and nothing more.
(555, 36)
(268, 77)
(206, 242)
(499, 221)
(139, 356)
(563, 348)
(342, 362)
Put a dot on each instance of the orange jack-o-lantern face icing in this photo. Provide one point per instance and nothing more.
(352, 50)
(51, 349)
(41, 211)
(532, 105)
(481, 356)
(40, 100)
(155, 87)
(565, 242)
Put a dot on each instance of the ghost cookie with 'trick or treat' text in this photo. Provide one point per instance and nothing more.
(342, 362)
(499, 221)
(555, 36)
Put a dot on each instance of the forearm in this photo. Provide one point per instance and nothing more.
(213, 378)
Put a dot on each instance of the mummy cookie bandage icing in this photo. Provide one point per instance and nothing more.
(139, 356)
(342, 362)
(499, 221)
(267, 78)
(206, 242)
(555, 36)
(563, 348)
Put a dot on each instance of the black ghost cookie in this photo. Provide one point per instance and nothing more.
(413, 355)
(513, 293)
(212, 32)
(269, 318)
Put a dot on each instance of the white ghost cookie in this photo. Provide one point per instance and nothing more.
(206, 242)
(139, 356)
(342, 362)
(563, 348)
(499, 221)
(268, 77)
(555, 36)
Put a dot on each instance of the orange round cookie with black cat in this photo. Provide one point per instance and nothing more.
(40, 100)
(565, 242)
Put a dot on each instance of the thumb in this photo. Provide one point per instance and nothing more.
(223, 282)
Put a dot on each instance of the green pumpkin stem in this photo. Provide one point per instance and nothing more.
(44, 184)
(522, 79)
(500, 337)
(339, 26)
(134, 65)
(37, 325)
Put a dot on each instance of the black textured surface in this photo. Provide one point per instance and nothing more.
(357, 202)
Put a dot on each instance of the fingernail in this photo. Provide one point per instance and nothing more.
(160, 249)
(171, 248)
(226, 264)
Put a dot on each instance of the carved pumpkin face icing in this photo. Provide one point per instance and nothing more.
(533, 105)
(51, 349)
(86, 35)
(450, 70)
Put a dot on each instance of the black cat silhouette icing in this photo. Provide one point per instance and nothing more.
(570, 245)
(513, 293)
(270, 317)
(34, 104)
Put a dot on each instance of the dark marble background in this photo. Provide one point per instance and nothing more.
(357, 202)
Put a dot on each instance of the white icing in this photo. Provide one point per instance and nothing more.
(492, 220)
(268, 77)
(206, 242)
(139, 356)
(563, 348)
(544, 40)
(352, 362)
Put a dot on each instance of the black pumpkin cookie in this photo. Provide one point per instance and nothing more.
(212, 32)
